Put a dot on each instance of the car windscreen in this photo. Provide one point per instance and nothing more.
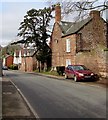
(79, 68)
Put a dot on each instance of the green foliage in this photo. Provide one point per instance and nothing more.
(10, 49)
(13, 67)
(48, 72)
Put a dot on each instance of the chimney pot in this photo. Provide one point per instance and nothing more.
(57, 13)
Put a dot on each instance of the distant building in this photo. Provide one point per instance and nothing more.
(25, 59)
(8, 60)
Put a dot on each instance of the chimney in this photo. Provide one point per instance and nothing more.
(57, 13)
(95, 14)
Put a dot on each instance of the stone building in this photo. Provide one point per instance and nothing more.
(84, 42)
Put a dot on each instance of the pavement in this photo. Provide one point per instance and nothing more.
(0, 98)
(14, 105)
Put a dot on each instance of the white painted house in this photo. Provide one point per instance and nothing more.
(17, 57)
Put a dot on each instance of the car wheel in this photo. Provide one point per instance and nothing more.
(66, 77)
(75, 78)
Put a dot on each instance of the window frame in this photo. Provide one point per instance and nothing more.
(68, 45)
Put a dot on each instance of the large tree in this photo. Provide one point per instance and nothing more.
(34, 29)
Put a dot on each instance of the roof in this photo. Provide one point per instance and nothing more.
(8, 56)
(65, 26)
(73, 27)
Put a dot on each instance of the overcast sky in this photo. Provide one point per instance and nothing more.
(12, 13)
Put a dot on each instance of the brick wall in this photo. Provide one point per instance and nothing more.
(22, 65)
(59, 54)
(93, 38)
(69, 55)
(87, 46)
(9, 61)
(56, 45)
(28, 64)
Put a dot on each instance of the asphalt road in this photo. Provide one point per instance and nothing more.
(53, 98)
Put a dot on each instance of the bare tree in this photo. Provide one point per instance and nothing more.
(80, 8)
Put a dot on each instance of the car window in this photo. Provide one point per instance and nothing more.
(79, 68)
(70, 68)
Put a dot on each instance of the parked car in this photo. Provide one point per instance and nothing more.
(78, 72)
(5, 68)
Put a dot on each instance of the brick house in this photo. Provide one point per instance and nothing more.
(25, 59)
(84, 42)
(8, 60)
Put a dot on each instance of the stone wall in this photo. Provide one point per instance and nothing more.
(98, 63)
(91, 42)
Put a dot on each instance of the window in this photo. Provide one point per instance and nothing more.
(67, 45)
(68, 62)
(56, 40)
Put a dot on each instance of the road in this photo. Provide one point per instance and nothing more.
(53, 98)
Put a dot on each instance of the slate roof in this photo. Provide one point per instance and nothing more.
(73, 27)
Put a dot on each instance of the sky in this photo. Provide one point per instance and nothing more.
(11, 15)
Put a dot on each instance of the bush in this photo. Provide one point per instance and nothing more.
(14, 67)
(60, 70)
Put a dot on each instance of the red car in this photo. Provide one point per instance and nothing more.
(78, 72)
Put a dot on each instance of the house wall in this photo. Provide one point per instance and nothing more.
(28, 64)
(56, 45)
(17, 57)
(98, 63)
(35, 66)
(9, 61)
(22, 65)
(87, 46)
(93, 37)
(69, 55)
